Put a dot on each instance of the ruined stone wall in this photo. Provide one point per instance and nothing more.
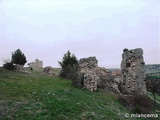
(88, 63)
(36, 65)
(39, 64)
(133, 74)
(90, 81)
(86, 77)
(19, 67)
(91, 76)
(48, 70)
(106, 80)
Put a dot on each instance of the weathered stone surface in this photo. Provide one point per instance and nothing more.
(36, 65)
(19, 67)
(91, 76)
(85, 77)
(133, 74)
(90, 81)
(89, 63)
(48, 70)
(106, 80)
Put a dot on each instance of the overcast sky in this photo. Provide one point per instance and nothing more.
(46, 29)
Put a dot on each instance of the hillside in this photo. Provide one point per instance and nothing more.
(36, 96)
(152, 68)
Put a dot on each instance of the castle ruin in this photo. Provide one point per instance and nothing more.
(91, 76)
(36, 65)
(133, 74)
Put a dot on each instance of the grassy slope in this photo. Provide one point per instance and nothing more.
(36, 96)
(156, 95)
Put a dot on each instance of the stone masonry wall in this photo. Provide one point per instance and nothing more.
(106, 80)
(36, 65)
(90, 81)
(91, 76)
(48, 70)
(88, 63)
(133, 74)
(86, 76)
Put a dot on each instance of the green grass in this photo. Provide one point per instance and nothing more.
(156, 96)
(157, 76)
(39, 97)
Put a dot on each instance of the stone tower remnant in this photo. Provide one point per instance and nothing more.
(133, 74)
(36, 65)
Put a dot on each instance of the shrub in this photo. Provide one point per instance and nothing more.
(153, 85)
(9, 66)
(71, 71)
(137, 103)
(69, 65)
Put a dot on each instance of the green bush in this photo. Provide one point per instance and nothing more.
(9, 66)
(69, 65)
(153, 85)
(137, 103)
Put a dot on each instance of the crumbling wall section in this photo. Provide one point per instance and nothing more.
(106, 80)
(133, 74)
(36, 65)
(48, 70)
(91, 76)
(90, 81)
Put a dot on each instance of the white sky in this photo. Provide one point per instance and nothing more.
(46, 29)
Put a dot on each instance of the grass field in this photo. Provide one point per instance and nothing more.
(39, 97)
(155, 75)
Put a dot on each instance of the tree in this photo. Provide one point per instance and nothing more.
(18, 57)
(69, 65)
